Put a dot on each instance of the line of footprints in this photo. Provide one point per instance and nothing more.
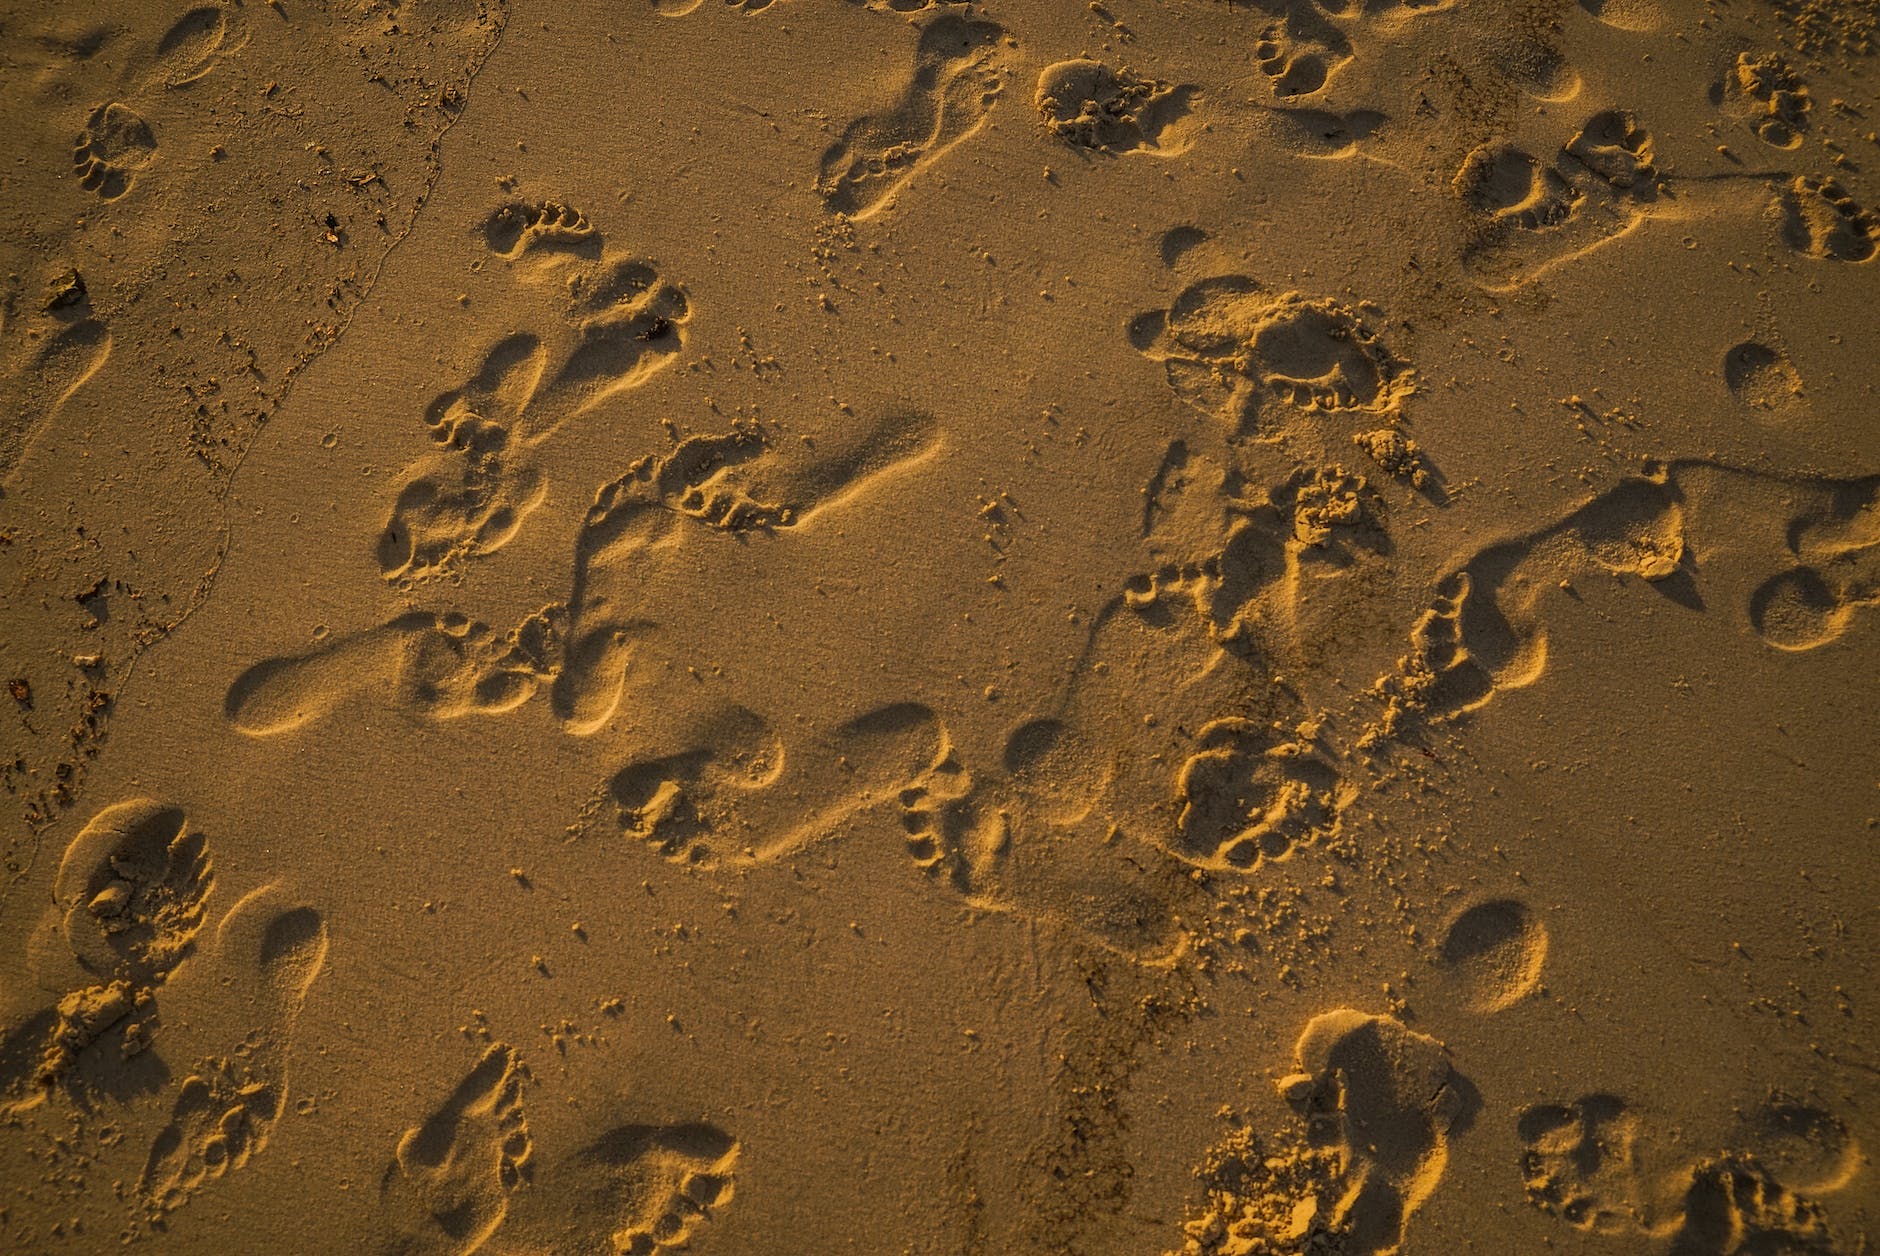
(1377, 1103)
(124, 935)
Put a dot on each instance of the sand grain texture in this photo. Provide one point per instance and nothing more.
(785, 626)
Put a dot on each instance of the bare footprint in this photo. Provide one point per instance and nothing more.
(623, 322)
(1530, 214)
(131, 890)
(1249, 356)
(1301, 52)
(687, 805)
(128, 905)
(1772, 98)
(957, 76)
(1089, 105)
(1493, 953)
(1248, 796)
(1386, 1101)
(727, 485)
(194, 45)
(1319, 134)
(70, 358)
(521, 229)
(470, 497)
(636, 1190)
(1482, 637)
(449, 1184)
(226, 1109)
(438, 667)
(1821, 219)
(1585, 1162)
(1837, 573)
(1580, 1161)
(1762, 378)
(114, 146)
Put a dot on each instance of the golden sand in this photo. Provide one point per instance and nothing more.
(885, 626)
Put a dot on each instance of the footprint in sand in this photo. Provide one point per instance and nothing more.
(1530, 214)
(1318, 134)
(637, 1190)
(449, 1184)
(1613, 146)
(1765, 91)
(130, 891)
(117, 142)
(1493, 953)
(1837, 552)
(1482, 635)
(736, 795)
(1249, 796)
(958, 73)
(114, 146)
(735, 487)
(632, 520)
(128, 904)
(1580, 1161)
(1091, 106)
(1585, 1162)
(437, 667)
(1251, 357)
(1821, 219)
(1301, 53)
(1386, 1101)
(686, 806)
(1030, 835)
(75, 348)
(621, 323)
(1762, 378)
(226, 1108)
(521, 229)
(193, 46)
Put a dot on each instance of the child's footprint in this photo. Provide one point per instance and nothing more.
(227, 1108)
(957, 76)
(453, 1174)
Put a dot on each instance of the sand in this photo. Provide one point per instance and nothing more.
(882, 626)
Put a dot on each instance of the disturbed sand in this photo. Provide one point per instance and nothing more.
(881, 626)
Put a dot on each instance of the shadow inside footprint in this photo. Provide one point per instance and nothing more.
(1386, 1099)
(456, 1170)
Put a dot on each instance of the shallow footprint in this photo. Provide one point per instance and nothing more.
(956, 78)
(428, 664)
(635, 1191)
(1580, 1161)
(114, 146)
(226, 1109)
(449, 1184)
